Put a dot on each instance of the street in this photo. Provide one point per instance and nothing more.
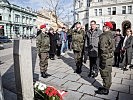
(79, 87)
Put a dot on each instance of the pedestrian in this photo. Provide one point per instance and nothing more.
(91, 44)
(53, 42)
(59, 43)
(128, 49)
(118, 45)
(77, 45)
(105, 51)
(64, 40)
(43, 43)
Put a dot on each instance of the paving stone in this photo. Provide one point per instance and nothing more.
(123, 96)
(72, 85)
(120, 87)
(127, 82)
(98, 77)
(72, 95)
(8, 95)
(97, 83)
(118, 70)
(84, 74)
(46, 79)
(122, 76)
(88, 97)
(87, 89)
(72, 77)
(129, 72)
(52, 71)
(58, 81)
(131, 77)
(60, 75)
(111, 96)
(84, 81)
(70, 71)
(62, 69)
(116, 80)
(131, 90)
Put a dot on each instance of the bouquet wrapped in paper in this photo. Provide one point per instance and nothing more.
(44, 92)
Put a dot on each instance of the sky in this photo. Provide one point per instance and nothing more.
(38, 4)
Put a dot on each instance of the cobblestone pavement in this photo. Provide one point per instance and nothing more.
(79, 87)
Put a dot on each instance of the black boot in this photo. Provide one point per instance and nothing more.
(45, 75)
(102, 90)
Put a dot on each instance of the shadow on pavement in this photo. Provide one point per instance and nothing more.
(34, 57)
(84, 73)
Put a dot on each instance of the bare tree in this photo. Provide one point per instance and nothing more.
(57, 7)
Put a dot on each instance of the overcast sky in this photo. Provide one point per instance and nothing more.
(38, 4)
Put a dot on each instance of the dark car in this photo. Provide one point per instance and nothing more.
(4, 39)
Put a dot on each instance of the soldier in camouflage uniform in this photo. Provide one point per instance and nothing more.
(77, 45)
(43, 43)
(106, 49)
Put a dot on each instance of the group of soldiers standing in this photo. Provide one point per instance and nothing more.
(98, 45)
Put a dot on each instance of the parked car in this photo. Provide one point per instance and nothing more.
(4, 39)
(1, 46)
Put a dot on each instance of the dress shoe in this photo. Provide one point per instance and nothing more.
(94, 75)
(102, 91)
(125, 69)
(45, 75)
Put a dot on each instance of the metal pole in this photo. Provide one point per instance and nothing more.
(88, 7)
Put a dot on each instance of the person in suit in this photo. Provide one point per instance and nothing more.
(128, 49)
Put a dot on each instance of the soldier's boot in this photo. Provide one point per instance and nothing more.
(102, 90)
(45, 74)
(78, 69)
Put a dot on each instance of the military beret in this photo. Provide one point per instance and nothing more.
(43, 26)
(109, 24)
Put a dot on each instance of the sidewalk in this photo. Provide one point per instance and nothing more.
(79, 87)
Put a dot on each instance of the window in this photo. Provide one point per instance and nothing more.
(87, 14)
(123, 9)
(109, 11)
(23, 19)
(100, 0)
(114, 11)
(100, 12)
(129, 9)
(95, 12)
(17, 17)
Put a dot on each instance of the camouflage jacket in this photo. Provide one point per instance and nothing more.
(77, 39)
(106, 47)
(42, 43)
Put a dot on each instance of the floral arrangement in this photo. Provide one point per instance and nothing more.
(43, 92)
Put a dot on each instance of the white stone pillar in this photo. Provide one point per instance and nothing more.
(1, 89)
(23, 69)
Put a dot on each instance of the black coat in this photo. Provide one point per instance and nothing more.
(53, 42)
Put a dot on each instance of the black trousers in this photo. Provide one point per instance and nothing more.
(93, 65)
(58, 52)
(117, 58)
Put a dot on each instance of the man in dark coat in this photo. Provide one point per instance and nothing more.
(53, 42)
(118, 45)
(128, 48)
(105, 51)
(91, 42)
(42, 43)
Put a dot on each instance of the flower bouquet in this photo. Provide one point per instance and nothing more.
(43, 92)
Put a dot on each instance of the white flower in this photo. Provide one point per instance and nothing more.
(42, 86)
(36, 84)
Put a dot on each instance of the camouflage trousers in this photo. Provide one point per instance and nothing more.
(78, 58)
(43, 61)
(106, 74)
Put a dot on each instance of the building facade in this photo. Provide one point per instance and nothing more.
(119, 12)
(47, 17)
(16, 21)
